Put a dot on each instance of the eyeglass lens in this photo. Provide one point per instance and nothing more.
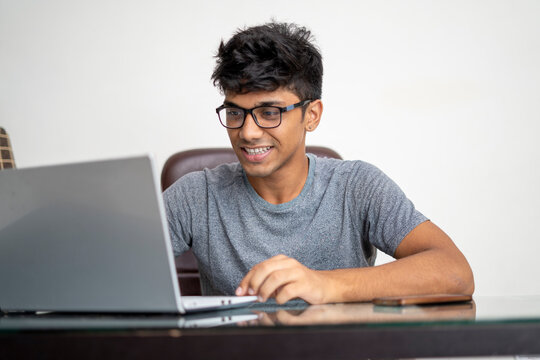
(265, 116)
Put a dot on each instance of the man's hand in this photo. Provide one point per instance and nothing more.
(284, 278)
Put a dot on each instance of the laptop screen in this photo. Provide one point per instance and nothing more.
(85, 237)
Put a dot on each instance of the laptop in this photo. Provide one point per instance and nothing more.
(90, 237)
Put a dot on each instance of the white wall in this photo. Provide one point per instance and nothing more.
(444, 96)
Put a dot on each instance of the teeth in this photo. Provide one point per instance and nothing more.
(257, 150)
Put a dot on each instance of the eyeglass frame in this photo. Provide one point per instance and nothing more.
(250, 111)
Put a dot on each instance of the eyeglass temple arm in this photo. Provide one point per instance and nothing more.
(294, 106)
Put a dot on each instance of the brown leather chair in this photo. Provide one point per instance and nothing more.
(6, 155)
(188, 161)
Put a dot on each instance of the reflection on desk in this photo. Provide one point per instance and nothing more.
(487, 326)
(364, 314)
(55, 321)
(293, 314)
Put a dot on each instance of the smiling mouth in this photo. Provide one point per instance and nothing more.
(257, 151)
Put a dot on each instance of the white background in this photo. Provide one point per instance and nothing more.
(444, 96)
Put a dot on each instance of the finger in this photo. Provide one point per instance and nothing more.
(244, 287)
(241, 290)
(262, 271)
(273, 283)
(289, 292)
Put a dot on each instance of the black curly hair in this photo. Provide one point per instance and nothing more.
(267, 57)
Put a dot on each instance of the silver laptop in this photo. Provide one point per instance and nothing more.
(90, 237)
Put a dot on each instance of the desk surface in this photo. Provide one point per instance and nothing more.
(486, 326)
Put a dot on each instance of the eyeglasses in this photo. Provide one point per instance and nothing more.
(266, 117)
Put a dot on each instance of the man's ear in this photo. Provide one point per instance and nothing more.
(313, 115)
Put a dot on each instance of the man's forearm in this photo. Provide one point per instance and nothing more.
(432, 271)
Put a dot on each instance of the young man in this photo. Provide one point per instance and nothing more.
(284, 224)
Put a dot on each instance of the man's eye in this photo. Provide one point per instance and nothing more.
(270, 113)
(233, 112)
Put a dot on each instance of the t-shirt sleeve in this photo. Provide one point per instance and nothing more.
(179, 200)
(387, 215)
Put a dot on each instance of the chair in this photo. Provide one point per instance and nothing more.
(188, 161)
(6, 154)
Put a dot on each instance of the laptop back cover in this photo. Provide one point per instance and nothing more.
(87, 237)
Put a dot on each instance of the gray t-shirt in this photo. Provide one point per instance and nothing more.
(345, 210)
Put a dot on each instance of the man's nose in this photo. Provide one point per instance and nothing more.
(250, 129)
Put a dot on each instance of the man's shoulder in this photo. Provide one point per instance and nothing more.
(224, 174)
(221, 175)
(340, 166)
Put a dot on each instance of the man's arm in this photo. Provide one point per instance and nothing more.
(427, 262)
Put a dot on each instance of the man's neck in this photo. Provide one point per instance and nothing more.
(285, 184)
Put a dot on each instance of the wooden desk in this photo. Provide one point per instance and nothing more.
(489, 326)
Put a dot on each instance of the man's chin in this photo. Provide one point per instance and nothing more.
(258, 171)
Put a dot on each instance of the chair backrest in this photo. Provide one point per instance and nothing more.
(6, 154)
(188, 161)
(184, 162)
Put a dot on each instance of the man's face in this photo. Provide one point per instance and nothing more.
(264, 152)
